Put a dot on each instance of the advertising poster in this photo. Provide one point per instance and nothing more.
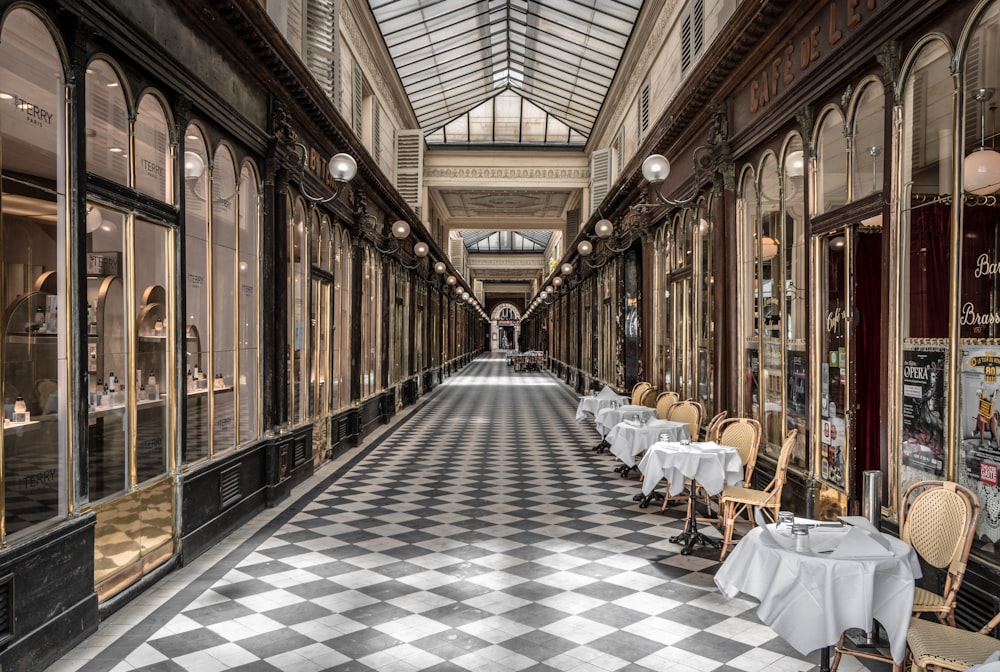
(980, 427)
(922, 407)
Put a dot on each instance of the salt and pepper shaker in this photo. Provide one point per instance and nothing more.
(801, 535)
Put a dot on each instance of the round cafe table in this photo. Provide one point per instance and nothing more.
(851, 575)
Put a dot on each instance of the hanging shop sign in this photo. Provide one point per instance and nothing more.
(979, 450)
(922, 406)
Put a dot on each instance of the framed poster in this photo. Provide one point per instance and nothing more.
(979, 456)
(922, 410)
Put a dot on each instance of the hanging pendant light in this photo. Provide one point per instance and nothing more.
(982, 166)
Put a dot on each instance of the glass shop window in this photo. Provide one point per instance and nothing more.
(225, 271)
(154, 175)
(298, 234)
(342, 268)
(197, 287)
(926, 175)
(249, 329)
(977, 460)
(793, 261)
(869, 138)
(32, 262)
(107, 123)
(831, 160)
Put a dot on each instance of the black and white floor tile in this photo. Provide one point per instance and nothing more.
(478, 533)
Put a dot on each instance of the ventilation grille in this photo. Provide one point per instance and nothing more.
(918, 120)
(299, 452)
(409, 166)
(620, 150)
(6, 609)
(975, 607)
(357, 99)
(572, 224)
(600, 177)
(643, 110)
(692, 34)
(320, 43)
(230, 490)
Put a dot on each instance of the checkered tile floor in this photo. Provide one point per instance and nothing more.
(478, 533)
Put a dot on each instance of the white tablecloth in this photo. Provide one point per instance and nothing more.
(628, 440)
(810, 599)
(712, 465)
(592, 405)
(607, 418)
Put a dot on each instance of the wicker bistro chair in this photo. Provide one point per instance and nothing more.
(690, 413)
(743, 434)
(711, 432)
(937, 647)
(939, 519)
(664, 400)
(735, 500)
(638, 390)
(648, 398)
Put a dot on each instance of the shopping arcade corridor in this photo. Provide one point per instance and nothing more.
(478, 532)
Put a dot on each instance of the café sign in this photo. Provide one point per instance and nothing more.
(830, 29)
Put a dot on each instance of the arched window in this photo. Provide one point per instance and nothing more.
(34, 378)
(225, 271)
(249, 281)
(154, 175)
(107, 123)
(869, 136)
(298, 278)
(197, 288)
(831, 160)
(746, 213)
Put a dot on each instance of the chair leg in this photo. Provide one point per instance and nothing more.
(727, 536)
(838, 651)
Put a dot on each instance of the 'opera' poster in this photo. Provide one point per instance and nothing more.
(922, 406)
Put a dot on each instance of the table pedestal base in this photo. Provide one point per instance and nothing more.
(691, 536)
(625, 470)
(824, 659)
(600, 448)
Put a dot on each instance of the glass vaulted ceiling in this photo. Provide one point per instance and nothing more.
(454, 56)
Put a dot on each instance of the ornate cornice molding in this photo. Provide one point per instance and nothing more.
(509, 173)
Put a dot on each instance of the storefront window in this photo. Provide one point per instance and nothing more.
(660, 377)
(705, 310)
(978, 459)
(107, 124)
(225, 271)
(793, 261)
(371, 332)
(298, 244)
(33, 244)
(154, 175)
(197, 292)
(925, 226)
(152, 283)
(750, 299)
(772, 305)
(343, 267)
(107, 343)
(249, 331)
(869, 136)
(831, 159)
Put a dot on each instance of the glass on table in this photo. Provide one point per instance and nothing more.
(801, 535)
(783, 524)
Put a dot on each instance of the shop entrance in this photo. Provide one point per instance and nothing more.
(848, 343)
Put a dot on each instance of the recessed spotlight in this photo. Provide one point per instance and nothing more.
(116, 150)
(111, 85)
(6, 96)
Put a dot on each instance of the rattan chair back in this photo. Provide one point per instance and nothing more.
(638, 390)
(649, 398)
(690, 413)
(743, 434)
(712, 426)
(664, 400)
(939, 519)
